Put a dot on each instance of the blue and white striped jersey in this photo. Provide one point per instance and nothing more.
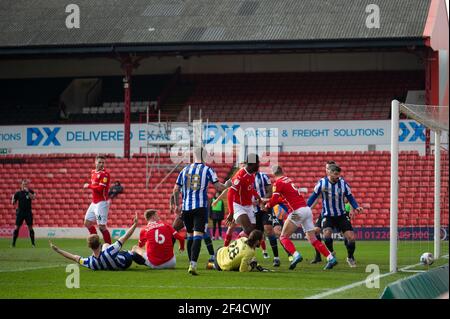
(193, 180)
(110, 259)
(261, 181)
(332, 196)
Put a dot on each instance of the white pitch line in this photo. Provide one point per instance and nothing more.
(32, 268)
(359, 283)
(347, 287)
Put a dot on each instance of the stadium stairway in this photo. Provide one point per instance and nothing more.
(61, 201)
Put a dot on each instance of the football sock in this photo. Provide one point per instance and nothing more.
(274, 245)
(219, 228)
(92, 230)
(189, 246)
(317, 251)
(351, 246)
(106, 236)
(196, 245)
(263, 245)
(329, 244)
(209, 244)
(15, 235)
(214, 228)
(318, 256)
(345, 242)
(287, 252)
(319, 246)
(32, 236)
(138, 259)
(228, 237)
(287, 244)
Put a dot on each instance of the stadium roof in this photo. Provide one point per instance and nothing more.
(39, 26)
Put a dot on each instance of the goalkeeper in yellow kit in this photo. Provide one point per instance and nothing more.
(239, 255)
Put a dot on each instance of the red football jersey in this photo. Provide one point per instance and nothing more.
(285, 189)
(158, 237)
(100, 185)
(244, 185)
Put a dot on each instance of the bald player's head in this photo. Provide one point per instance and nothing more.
(200, 154)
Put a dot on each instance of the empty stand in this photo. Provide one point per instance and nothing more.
(312, 96)
(298, 96)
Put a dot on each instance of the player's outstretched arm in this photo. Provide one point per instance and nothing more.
(221, 187)
(221, 196)
(66, 254)
(130, 231)
(180, 240)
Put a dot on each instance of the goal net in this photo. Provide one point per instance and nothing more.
(419, 185)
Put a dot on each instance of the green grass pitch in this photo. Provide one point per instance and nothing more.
(27, 272)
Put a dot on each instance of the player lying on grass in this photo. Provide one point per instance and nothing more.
(239, 255)
(301, 215)
(106, 257)
(157, 237)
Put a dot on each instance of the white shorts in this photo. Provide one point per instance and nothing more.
(171, 263)
(302, 217)
(244, 210)
(98, 212)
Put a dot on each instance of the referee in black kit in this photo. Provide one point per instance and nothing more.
(23, 212)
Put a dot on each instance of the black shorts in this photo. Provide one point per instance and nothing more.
(277, 222)
(195, 219)
(340, 223)
(319, 221)
(24, 216)
(263, 219)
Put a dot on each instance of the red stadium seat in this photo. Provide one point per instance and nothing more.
(372, 192)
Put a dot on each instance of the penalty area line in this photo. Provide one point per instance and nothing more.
(359, 283)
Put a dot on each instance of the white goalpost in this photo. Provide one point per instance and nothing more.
(436, 119)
